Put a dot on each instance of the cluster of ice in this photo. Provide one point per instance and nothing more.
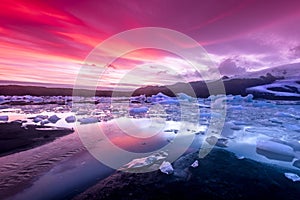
(138, 110)
(155, 160)
(140, 99)
(185, 97)
(158, 98)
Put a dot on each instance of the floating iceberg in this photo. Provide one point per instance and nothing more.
(166, 168)
(4, 118)
(275, 148)
(140, 110)
(220, 142)
(146, 162)
(88, 120)
(195, 164)
(70, 119)
(183, 96)
(292, 176)
(37, 119)
(53, 119)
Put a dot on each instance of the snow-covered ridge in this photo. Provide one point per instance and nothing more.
(280, 89)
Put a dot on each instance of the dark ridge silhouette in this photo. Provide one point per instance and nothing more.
(199, 89)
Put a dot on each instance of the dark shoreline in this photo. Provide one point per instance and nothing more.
(220, 175)
(15, 138)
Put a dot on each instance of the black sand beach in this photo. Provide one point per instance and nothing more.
(15, 138)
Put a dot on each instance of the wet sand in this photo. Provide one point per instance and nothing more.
(220, 175)
(15, 138)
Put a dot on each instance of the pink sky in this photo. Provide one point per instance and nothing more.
(47, 41)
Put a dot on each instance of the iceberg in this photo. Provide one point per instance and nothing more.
(166, 168)
(88, 120)
(145, 162)
(140, 110)
(220, 142)
(70, 119)
(4, 118)
(195, 164)
(37, 119)
(275, 148)
(53, 119)
(185, 97)
(292, 176)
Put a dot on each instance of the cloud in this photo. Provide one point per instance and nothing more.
(229, 67)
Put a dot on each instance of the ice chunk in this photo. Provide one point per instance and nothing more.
(42, 116)
(168, 101)
(166, 167)
(292, 176)
(37, 99)
(248, 98)
(140, 163)
(37, 119)
(88, 120)
(4, 118)
(159, 97)
(139, 110)
(242, 123)
(297, 164)
(70, 119)
(53, 119)
(45, 121)
(195, 164)
(220, 142)
(275, 148)
(183, 96)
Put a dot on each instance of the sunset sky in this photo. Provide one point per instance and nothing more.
(48, 41)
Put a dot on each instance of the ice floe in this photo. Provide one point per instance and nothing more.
(4, 118)
(292, 176)
(220, 142)
(139, 110)
(53, 119)
(70, 119)
(88, 120)
(270, 147)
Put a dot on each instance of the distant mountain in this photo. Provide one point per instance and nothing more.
(282, 82)
(285, 71)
